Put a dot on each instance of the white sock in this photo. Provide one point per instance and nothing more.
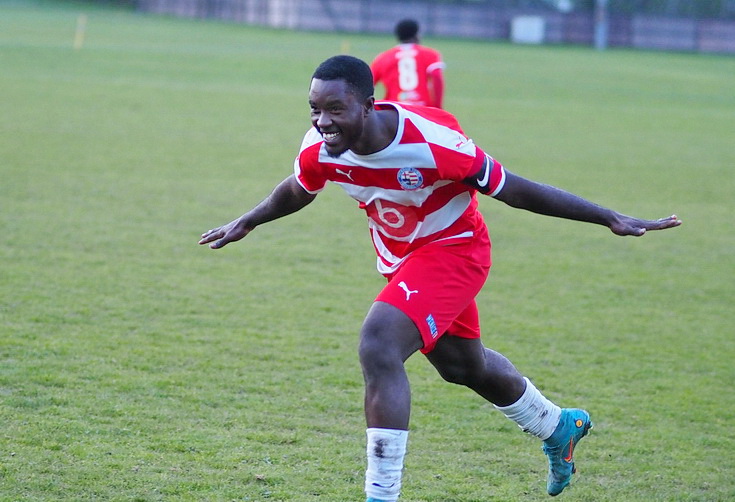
(533, 412)
(385, 451)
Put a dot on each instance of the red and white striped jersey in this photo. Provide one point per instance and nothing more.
(412, 190)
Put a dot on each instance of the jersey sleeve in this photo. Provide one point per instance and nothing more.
(307, 168)
(435, 61)
(461, 162)
(476, 168)
(379, 65)
(489, 178)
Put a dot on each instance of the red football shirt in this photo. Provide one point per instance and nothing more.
(412, 190)
(404, 72)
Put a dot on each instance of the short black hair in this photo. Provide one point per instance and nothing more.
(406, 30)
(352, 70)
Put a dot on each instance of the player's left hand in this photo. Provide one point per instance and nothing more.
(626, 225)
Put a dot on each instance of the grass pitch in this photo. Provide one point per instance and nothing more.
(136, 365)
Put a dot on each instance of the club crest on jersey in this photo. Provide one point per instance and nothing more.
(410, 178)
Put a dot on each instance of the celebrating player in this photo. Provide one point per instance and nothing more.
(417, 176)
(411, 73)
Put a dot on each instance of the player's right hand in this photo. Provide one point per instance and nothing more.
(221, 236)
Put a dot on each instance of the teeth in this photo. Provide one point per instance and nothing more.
(330, 135)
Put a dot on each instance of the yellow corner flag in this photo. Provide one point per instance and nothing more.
(79, 34)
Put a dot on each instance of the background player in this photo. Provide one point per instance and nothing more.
(417, 176)
(410, 72)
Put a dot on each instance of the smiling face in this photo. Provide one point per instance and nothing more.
(340, 116)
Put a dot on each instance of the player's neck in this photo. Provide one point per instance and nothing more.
(380, 130)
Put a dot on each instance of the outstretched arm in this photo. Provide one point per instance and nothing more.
(525, 194)
(288, 197)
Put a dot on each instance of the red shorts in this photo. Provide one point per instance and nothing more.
(436, 287)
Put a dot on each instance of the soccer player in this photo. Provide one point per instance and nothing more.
(417, 176)
(410, 73)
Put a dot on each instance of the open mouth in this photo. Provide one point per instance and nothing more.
(331, 137)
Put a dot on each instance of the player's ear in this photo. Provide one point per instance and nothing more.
(368, 106)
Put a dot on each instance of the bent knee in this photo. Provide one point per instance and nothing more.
(371, 349)
(387, 336)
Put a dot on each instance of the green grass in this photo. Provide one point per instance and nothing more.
(138, 366)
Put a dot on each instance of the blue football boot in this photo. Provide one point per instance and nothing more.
(573, 426)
